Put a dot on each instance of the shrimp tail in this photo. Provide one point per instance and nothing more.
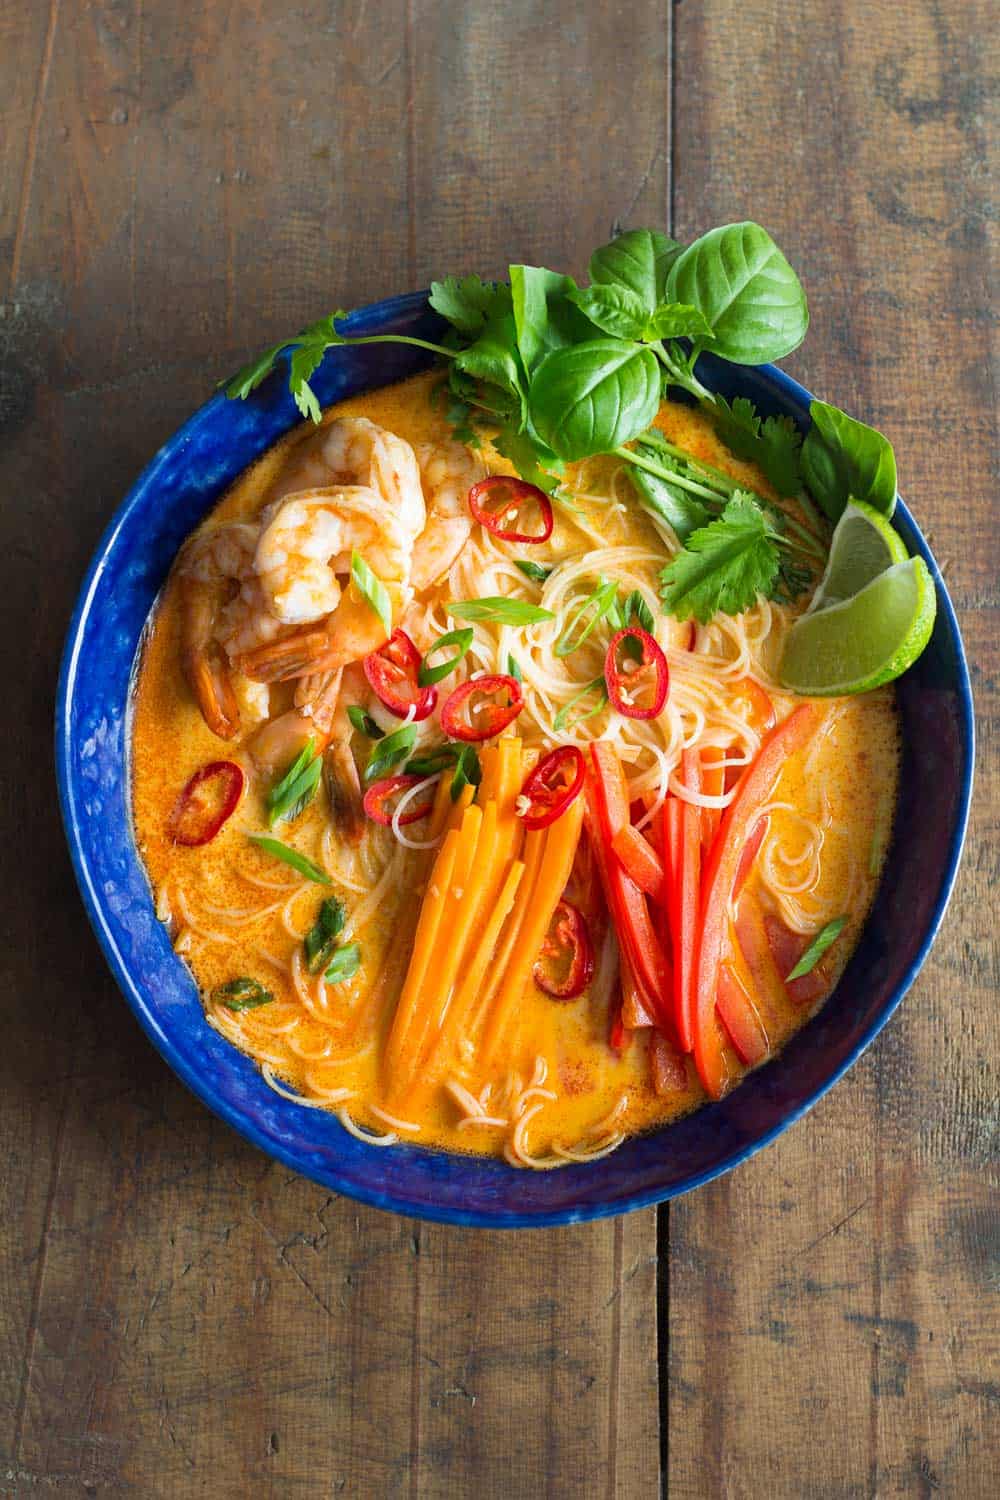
(207, 675)
(343, 788)
(299, 655)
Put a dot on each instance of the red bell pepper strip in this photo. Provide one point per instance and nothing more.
(608, 811)
(737, 1013)
(641, 862)
(686, 902)
(208, 800)
(667, 1065)
(671, 837)
(750, 851)
(512, 495)
(762, 716)
(392, 676)
(755, 788)
(713, 784)
(491, 717)
(634, 1010)
(618, 1034)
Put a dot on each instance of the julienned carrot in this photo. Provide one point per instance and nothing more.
(561, 838)
(428, 930)
(721, 869)
(686, 901)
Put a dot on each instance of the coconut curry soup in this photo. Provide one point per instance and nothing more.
(465, 833)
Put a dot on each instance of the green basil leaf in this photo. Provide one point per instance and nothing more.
(389, 751)
(502, 611)
(345, 964)
(468, 771)
(615, 309)
(532, 570)
(242, 994)
(598, 604)
(640, 261)
(738, 278)
(544, 312)
(566, 719)
(363, 722)
(595, 396)
(817, 948)
(842, 459)
(372, 589)
(676, 320)
(681, 511)
(428, 675)
(291, 857)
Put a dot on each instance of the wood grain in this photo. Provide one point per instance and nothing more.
(178, 1316)
(834, 1304)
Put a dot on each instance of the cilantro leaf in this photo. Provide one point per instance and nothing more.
(532, 459)
(724, 565)
(466, 303)
(773, 444)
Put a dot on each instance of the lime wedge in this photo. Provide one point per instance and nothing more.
(863, 641)
(863, 545)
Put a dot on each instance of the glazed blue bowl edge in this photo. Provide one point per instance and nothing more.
(92, 755)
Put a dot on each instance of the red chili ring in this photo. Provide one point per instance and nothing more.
(496, 716)
(192, 808)
(617, 681)
(520, 491)
(396, 665)
(548, 801)
(388, 787)
(574, 934)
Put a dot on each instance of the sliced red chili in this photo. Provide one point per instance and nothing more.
(566, 964)
(739, 1016)
(506, 497)
(392, 676)
(381, 793)
(490, 717)
(627, 678)
(556, 781)
(209, 800)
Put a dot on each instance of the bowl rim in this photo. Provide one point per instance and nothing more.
(393, 1200)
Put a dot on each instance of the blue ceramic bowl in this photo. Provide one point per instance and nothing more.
(171, 496)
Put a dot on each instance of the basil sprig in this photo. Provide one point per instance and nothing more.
(297, 787)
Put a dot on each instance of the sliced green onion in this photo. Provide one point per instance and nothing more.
(389, 751)
(433, 762)
(372, 589)
(364, 723)
(242, 994)
(562, 719)
(532, 570)
(290, 857)
(460, 638)
(600, 603)
(817, 948)
(636, 608)
(297, 787)
(321, 939)
(502, 611)
(345, 964)
(468, 771)
(513, 670)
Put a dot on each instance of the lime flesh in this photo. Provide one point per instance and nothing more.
(863, 545)
(864, 641)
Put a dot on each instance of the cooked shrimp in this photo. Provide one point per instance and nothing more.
(306, 545)
(448, 472)
(320, 714)
(353, 451)
(214, 562)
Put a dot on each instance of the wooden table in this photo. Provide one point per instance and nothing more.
(182, 184)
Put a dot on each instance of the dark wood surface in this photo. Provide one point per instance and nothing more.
(178, 1316)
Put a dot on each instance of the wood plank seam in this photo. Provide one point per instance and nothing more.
(38, 104)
